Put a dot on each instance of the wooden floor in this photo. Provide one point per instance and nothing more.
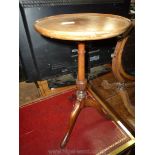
(29, 92)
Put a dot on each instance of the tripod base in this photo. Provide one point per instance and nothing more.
(87, 101)
(83, 97)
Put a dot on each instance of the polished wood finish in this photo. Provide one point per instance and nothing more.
(121, 75)
(113, 100)
(83, 97)
(83, 26)
(81, 61)
(117, 67)
(78, 106)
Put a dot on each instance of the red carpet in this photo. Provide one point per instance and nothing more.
(43, 125)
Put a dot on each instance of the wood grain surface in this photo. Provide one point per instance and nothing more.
(83, 26)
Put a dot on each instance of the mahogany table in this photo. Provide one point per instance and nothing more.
(81, 28)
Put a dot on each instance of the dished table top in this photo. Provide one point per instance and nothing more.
(82, 26)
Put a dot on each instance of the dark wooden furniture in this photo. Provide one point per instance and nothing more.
(81, 28)
(124, 79)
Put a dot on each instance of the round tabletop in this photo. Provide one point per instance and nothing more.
(82, 26)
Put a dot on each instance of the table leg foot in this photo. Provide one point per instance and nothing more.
(73, 117)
